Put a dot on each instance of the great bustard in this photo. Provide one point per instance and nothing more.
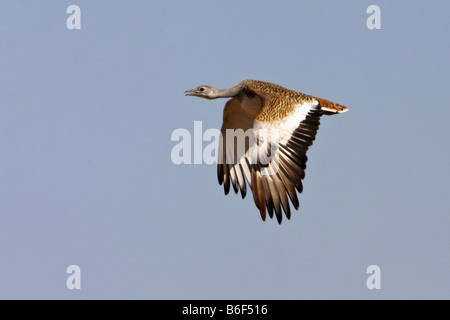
(269, 152)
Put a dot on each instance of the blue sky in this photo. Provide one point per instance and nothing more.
(86, 177)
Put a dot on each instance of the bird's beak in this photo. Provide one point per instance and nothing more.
(190, 92)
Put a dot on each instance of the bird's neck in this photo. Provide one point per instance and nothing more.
(227, 93)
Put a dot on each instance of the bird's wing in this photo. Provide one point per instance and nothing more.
(271, 155)
(233, 164)
(280, 151)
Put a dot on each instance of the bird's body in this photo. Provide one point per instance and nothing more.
(266, 132)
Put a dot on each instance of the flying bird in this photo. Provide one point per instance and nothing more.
(266, 132)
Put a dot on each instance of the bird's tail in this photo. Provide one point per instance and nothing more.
(329, 108)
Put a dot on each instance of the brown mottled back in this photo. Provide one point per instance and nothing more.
(278, 102)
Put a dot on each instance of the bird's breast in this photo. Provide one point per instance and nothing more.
(250, 104)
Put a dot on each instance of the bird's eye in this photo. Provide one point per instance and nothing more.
(201, 89)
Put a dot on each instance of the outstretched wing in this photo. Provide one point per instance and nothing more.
(285, 142)
(233, 163)
(268, 154)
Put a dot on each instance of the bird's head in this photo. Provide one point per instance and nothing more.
(205, 92)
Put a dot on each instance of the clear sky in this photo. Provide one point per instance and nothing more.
(86, 176)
